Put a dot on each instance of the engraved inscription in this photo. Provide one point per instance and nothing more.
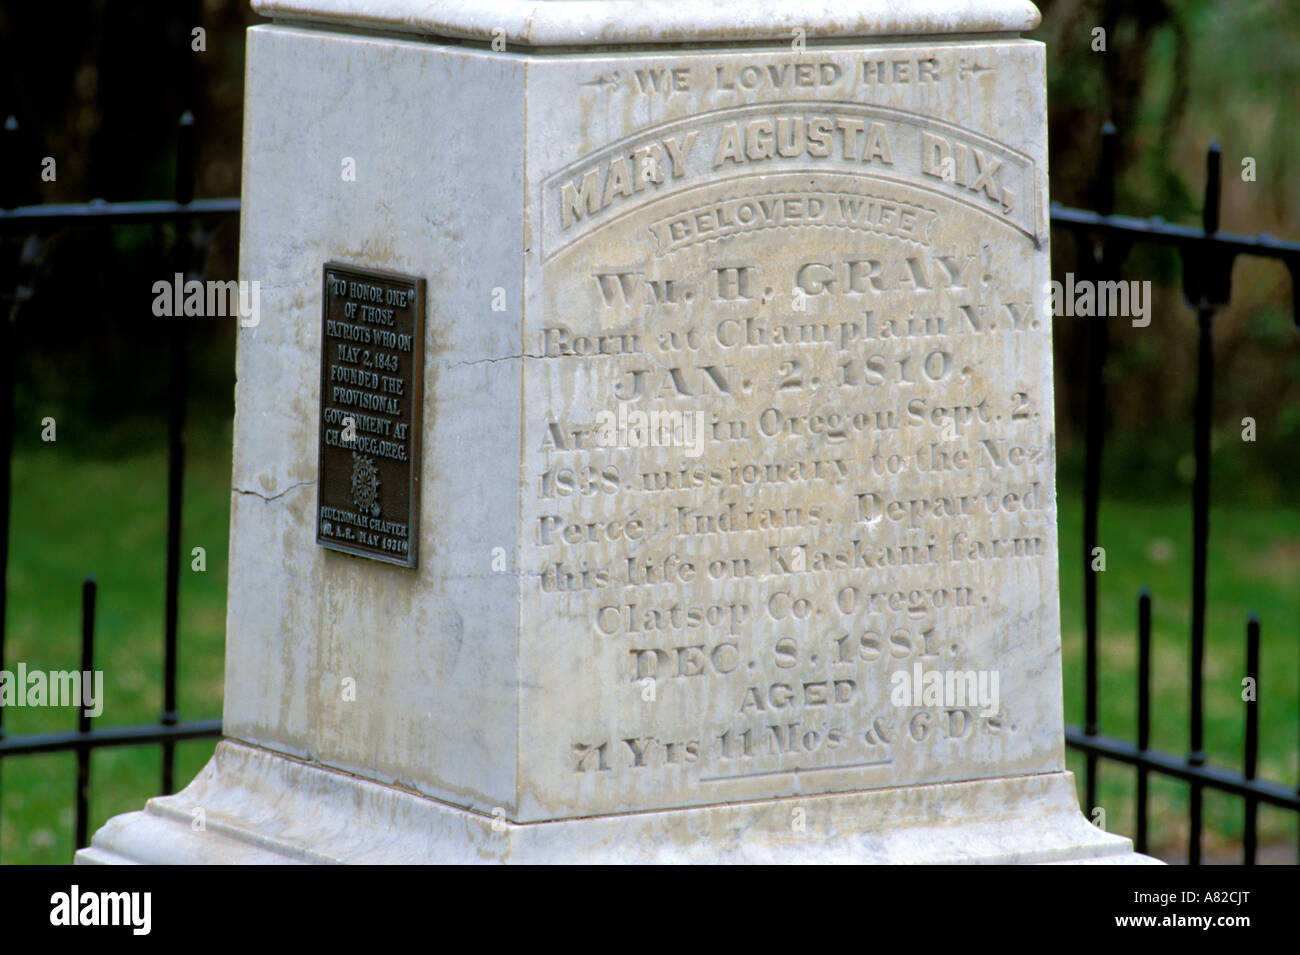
(790, 511)
(883, 143)
(852, 458)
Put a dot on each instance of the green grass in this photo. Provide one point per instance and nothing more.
(74, 514)
(1254, 565)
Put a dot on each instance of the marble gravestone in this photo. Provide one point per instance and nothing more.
(696, 501)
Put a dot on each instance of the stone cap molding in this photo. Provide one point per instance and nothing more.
(584, 23)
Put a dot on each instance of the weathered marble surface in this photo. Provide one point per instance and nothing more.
(918, 379)
(835, 260)
(549, 23)
(265, 809)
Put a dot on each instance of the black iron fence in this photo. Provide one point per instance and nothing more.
(1104, 240)
(1207, 256)
(22, 231)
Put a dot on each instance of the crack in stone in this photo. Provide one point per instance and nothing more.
(483, 361)
(291, 487)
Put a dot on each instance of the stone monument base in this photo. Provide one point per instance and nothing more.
(264, 808)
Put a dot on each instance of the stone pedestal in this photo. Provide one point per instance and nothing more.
(733, 518)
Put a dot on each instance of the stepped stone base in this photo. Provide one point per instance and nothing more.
(263, 808)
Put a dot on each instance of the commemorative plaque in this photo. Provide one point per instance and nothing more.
(371, 391)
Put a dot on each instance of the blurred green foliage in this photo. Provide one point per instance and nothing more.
(1175, 76)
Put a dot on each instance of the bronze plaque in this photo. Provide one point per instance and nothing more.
(371, 394)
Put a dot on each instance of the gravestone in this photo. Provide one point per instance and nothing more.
(646, 452)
